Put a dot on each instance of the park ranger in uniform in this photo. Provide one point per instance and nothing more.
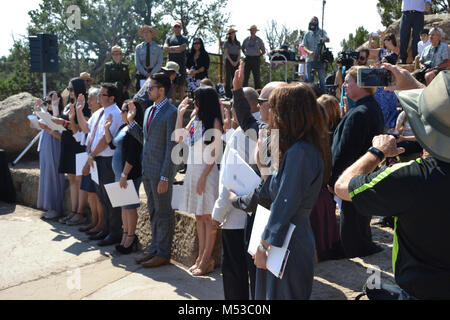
(117, 72)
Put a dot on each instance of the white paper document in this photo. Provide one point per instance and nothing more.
(122, 197)
(177, 196)
(276, 256)
(338, 202)
(34, 121)
(49, 122)
(94, 174)
(81, 159)
(238, 176)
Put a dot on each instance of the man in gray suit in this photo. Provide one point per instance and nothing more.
(158, 169)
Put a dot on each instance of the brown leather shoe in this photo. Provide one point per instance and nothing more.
(144, 258)
(155, 262)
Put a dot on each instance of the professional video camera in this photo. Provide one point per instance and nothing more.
(346, 58)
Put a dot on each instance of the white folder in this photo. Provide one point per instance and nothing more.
(238, 176)
(49, 122)
(122, 197)
(80, 161)
(276, 256)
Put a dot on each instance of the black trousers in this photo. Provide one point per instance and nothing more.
(356, 235)
(414, 21)
(252, 64)
(112, 217)
(229, 75)
(235, 267)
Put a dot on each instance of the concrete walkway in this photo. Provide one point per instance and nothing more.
(48, 260)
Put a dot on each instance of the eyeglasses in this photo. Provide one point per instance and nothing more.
(104, 95)
(362, 58)
(176, 27)
(150, 88)
(261, 100)
(124, 110)
(197, 43)
(70, 89)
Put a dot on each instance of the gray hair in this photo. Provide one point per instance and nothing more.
(251, 95)
(94, 91)
(438, 30)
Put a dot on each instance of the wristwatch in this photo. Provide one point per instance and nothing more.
(376, 152)
(262, 248)
(123, 175)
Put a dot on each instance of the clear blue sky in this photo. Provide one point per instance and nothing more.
(341, 18)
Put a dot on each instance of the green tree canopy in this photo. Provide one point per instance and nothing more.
(355, 41)
(103, 24)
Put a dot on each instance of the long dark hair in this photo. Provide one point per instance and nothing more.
(79, 87)
(207, 101)
(139, 117)
(60, 105)
(231, 41)
(202, 47)
(297, 116)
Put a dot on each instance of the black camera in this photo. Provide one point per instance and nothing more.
(346, 58)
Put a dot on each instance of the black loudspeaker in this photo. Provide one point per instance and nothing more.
(44, 53)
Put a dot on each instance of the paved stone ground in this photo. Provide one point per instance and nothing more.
(46, 260)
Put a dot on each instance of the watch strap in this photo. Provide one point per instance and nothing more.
(377, 152)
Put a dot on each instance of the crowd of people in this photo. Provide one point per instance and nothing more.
(310, 150)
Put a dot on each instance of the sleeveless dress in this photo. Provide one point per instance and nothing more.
(191, 202)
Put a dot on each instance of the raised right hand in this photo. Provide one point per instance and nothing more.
(184, 105)
(80, 102)
(108, 122)
(239, 77)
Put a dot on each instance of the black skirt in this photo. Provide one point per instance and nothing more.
(69, 148)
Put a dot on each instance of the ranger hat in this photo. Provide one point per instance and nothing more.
(87, 77)
(146, 27)
(116, 49)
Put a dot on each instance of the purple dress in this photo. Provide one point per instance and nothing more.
(51, 183)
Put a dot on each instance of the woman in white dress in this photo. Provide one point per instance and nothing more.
(201, 183)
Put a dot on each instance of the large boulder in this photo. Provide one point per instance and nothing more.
(15, 131)
(431, 20)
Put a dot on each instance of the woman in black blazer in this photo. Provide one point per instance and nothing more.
(197, 64)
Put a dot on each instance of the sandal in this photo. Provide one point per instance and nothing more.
(82, 220)
(208, 269)
(64, 220)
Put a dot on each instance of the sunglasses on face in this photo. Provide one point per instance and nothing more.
(197, 43)
(261, 100)
(70, 89)
(124, 110)
(177, 27)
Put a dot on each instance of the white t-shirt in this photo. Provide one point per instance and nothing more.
(407, 131)
(421, 46)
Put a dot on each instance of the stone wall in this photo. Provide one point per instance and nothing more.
(185, 243)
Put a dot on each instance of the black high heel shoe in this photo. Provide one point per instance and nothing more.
(133, 247)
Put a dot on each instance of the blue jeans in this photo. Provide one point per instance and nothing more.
(310, 74)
